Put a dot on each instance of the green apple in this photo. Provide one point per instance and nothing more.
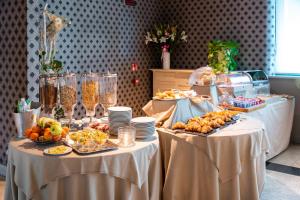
(55, 123)
(56, 129)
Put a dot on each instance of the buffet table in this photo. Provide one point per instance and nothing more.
(229, 164)
(126, 173)
(278, 119)
(277, 116)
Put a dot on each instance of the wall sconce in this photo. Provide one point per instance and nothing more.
(134, 68)
(130, 2)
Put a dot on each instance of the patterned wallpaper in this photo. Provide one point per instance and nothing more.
(108, 35)
(103, 35)
(12, 66)
(249, 22)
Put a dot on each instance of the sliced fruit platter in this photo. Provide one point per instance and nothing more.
(47, 131)
(206, 124)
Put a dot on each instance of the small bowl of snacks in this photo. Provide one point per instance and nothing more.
(47, 131)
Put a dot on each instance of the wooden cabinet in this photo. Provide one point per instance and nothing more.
(170, 79)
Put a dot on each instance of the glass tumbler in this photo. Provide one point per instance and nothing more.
(126, 136)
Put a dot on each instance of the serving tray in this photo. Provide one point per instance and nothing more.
(250, 109)
(182, 131)
(108, 146)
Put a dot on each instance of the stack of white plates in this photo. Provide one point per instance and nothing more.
(118, 117)
(145, 126)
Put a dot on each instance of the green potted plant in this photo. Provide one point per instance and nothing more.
(221, 55)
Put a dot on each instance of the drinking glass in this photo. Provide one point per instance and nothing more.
(126, 136)
(68, 94)
(90, 93)
(48, 90)
(108, 91)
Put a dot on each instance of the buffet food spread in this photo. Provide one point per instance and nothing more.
(233, 92)
(227, 94)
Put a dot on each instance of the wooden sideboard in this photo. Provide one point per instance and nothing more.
(170, 79)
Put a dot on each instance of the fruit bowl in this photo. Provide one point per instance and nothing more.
(47, 131)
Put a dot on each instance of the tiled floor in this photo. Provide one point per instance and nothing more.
(290, 157)
(283, 176)
(280, 184)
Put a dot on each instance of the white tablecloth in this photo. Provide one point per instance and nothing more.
(127, 173)
(229, 164)
(278, 119)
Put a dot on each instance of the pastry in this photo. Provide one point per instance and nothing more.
(179, 125)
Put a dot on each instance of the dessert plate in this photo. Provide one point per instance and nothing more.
(58, 150)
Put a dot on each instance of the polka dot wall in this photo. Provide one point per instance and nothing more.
(103, 36)
(12, 66)
(249, 22)
(108, 35)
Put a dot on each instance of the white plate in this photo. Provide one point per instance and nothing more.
(142, 120)
(119, 109)
(68, 150)
(175, 99)
(148, 137)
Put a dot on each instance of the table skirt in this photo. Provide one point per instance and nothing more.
(93, 186)
(190, 174)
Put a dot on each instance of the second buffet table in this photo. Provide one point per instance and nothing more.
(229, 164)
(278, 119)
(127, 173)
(277, 116)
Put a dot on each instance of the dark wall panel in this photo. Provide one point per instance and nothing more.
(13, 66)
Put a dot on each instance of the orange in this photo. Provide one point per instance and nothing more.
(28, 132)
(34, 136)
(66, 129)
(47, 135)
(47, 129)
(63, 133)
(56, 138)
(36, 129)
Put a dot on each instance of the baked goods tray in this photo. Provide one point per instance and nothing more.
(108, 146)
(181, 131)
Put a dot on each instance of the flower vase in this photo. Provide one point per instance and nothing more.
(165, 59)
